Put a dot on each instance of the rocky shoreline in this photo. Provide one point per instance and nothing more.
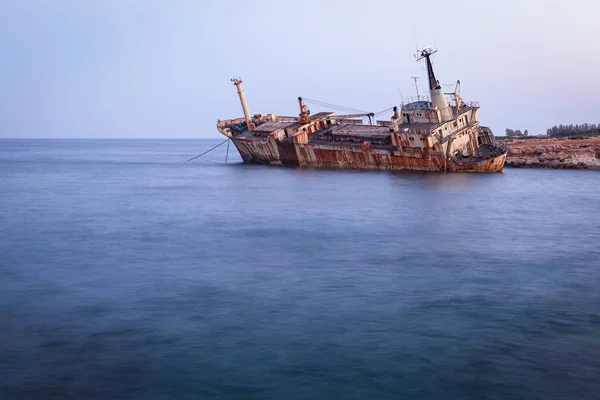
(554, 153)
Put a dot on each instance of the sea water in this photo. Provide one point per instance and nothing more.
(128, 273)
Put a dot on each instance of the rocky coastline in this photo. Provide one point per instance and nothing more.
(554, 153)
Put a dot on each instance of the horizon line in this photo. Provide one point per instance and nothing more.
(108, 138)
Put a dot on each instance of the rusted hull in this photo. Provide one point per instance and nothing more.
(318, 155)
(495, 164)
(254, 150)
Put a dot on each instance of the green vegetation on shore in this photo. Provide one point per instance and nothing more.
(560, 131)
(574, 130)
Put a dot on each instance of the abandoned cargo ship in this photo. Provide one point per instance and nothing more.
(425, 134)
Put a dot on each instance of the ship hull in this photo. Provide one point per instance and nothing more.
(330, 155)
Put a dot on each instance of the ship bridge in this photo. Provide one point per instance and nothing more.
(418, 104)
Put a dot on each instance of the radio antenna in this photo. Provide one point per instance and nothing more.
(416, 86)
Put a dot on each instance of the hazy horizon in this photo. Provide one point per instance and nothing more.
(132, 69)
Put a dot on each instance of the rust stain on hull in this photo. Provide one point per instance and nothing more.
(258, 151)
(276, 152)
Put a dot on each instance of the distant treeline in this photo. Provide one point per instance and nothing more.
(574, 130)
(560, 131)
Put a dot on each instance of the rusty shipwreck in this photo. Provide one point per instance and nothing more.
(432, 133)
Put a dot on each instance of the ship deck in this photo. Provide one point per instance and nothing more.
(371, 131)
(353, 130)
(274, 126)
(348, 130)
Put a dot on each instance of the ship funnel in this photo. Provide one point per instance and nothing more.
(435, 89)
(238, 84)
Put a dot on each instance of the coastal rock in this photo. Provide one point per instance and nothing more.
(552, 153)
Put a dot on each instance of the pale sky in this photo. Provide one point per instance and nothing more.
(161, 69)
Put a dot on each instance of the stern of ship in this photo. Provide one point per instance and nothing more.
(488, 158)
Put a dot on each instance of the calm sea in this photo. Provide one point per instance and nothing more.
(127, 273)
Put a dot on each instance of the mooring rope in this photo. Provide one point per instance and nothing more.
(207, 151)
(227, 153)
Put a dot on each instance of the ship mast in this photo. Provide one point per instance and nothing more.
(238, 84)
(435, 89)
